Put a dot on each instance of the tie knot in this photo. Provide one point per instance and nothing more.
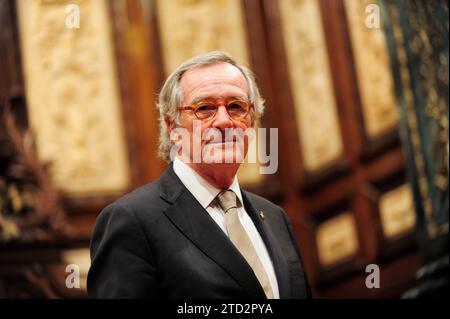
(227, 199)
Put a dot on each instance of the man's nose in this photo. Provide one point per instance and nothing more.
(222, 119)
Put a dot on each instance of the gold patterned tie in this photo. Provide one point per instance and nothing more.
(239, 237)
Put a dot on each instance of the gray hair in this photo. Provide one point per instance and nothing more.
(171, 95)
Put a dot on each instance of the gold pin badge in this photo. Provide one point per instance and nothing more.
(261, 214)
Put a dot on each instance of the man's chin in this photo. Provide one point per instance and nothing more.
(224, 158)
(220, 162)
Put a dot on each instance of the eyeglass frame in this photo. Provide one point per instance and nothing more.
(192, 108)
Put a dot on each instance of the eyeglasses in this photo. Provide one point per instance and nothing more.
(206, 109)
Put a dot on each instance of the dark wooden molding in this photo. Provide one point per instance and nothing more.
(134, 47)
(283, 103)
(311, 182)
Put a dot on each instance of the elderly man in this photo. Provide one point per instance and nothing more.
(194, 233)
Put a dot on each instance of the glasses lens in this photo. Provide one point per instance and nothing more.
(237, 109)
(205, 110)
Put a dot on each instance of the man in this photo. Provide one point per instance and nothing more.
(194, 233)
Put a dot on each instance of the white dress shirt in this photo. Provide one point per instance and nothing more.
(205, 194)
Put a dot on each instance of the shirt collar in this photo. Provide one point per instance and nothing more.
(203, 191)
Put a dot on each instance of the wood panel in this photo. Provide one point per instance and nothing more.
(72, 97)
(368, 171)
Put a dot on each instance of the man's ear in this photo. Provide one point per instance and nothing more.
(169, 123)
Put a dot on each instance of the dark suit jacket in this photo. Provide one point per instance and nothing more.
(159, 242)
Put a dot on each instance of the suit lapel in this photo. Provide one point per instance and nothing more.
(279, 262)
(194, 221)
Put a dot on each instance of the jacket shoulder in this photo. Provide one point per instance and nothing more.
(144, 202)
(142, 194)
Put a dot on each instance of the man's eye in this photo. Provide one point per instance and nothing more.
(236, 106)
(205, 108)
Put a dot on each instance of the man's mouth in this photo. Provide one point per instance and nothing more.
(224, 141)
(221, 142)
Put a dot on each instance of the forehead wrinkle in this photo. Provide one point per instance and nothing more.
(213, 84)
(215, 80)
(215, 88)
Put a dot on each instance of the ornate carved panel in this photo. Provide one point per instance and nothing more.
(337, 239)
(397, 212)
(312, 88)
(72, 95)
(189, 27)
(373, 69)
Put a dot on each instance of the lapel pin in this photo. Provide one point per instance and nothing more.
(261, 214)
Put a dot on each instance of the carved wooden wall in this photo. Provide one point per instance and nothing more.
(34, 227)
(328, 87)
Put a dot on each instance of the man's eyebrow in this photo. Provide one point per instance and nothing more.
(203, 98)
